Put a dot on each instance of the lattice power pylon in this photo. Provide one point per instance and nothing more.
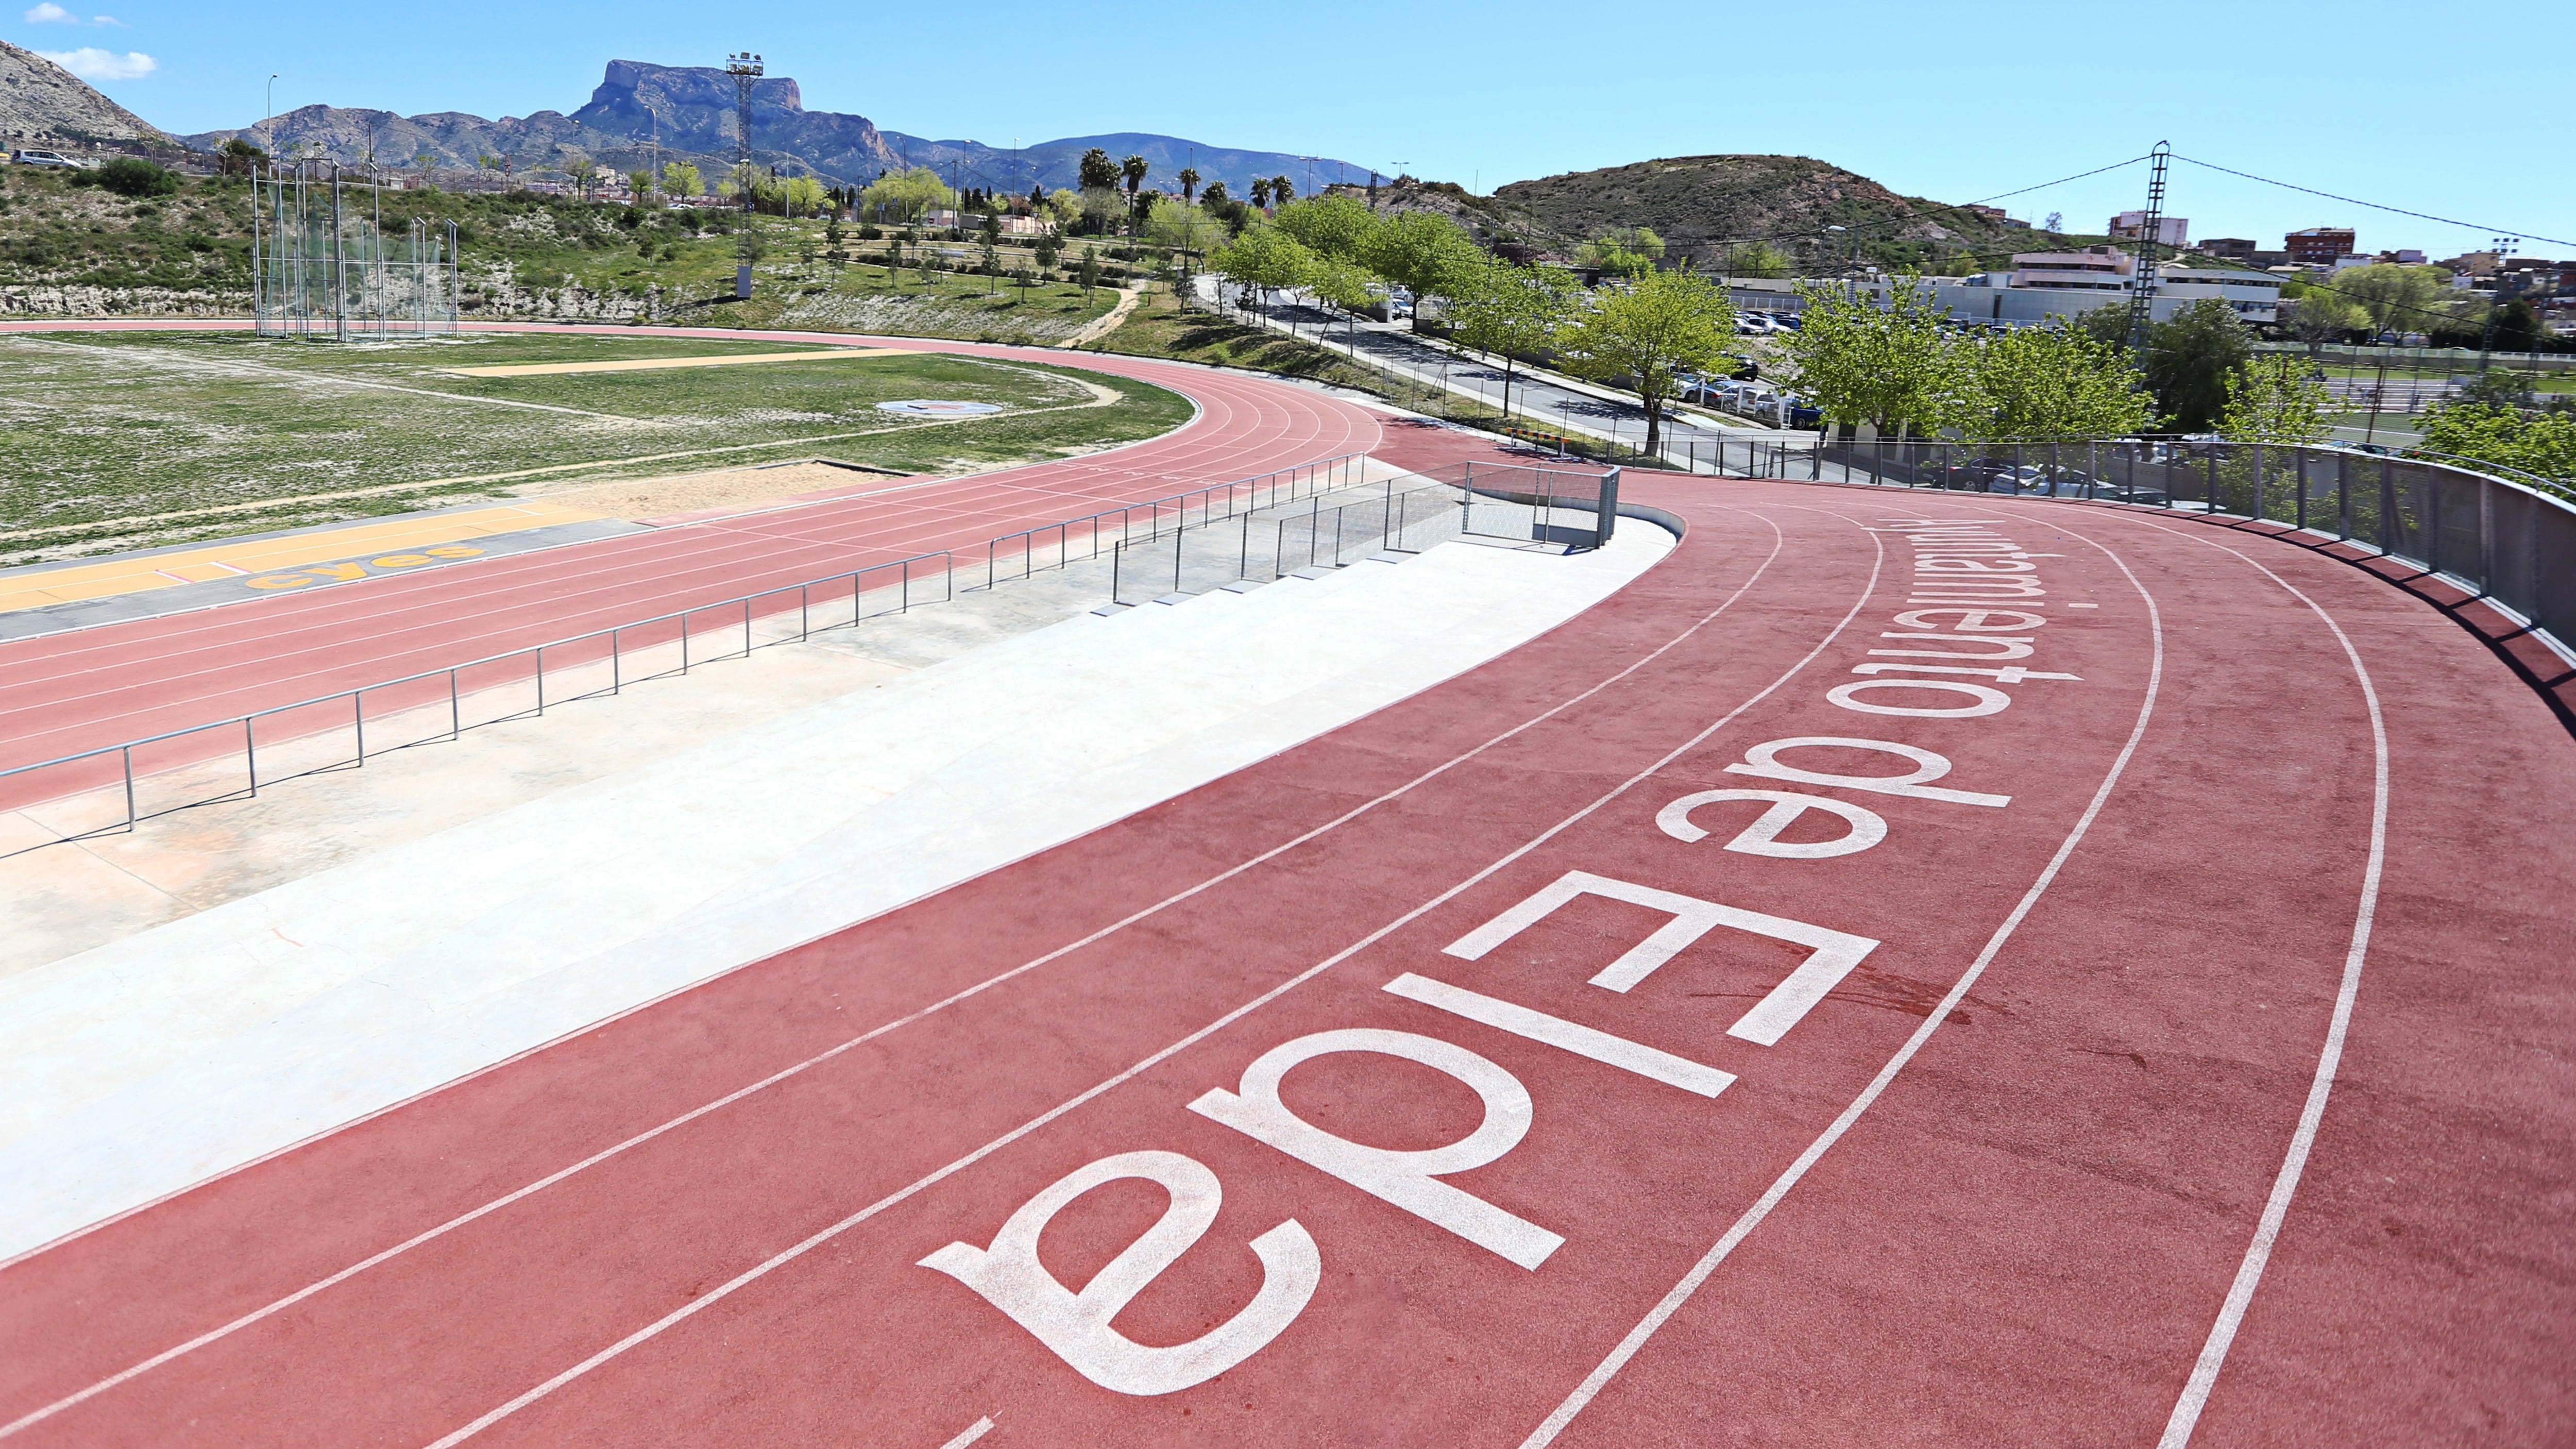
(2142, 299)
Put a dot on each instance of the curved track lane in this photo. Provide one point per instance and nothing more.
(64, 693)
(2262, 951)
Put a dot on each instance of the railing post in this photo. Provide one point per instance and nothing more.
(358, 713)
(746, 635)
(2343, 495)
(456, 709)
(2486, 538)
(804, 612)
(250, 757)
(541, 681)
(128, 752)
(684, 641)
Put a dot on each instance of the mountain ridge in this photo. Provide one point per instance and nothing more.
(42, 104)
(692, 109)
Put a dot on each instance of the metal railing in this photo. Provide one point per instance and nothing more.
(1403, 513)
(2510, 543)
(114, 788)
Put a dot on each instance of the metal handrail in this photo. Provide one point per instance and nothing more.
(1302, 477)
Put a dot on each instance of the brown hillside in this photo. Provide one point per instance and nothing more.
(44, 105)
(1700, 203)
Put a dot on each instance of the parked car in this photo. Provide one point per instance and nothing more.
(1788, 322)
(51, 159)
(1753, 324)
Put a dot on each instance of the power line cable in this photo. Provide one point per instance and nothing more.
(2373, 205)
(2060, 181)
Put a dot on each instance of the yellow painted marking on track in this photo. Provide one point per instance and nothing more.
(650, 364)
(265, 557)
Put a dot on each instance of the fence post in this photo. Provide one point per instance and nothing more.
(456, 710)
(684, 641)
(746, 646)
(2301, 474)
(804, 612)
(2486, 538)
(128, 752)
(541, 681)
(358, 713)
(250, 757)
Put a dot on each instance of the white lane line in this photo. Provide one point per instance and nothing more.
(1778, 540)
(1681, 1292)
(762, 1270)
(973, 1432)
(2285, 1183)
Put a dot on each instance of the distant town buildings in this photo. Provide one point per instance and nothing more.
(2172, 231)
(1994, 214)
(2318, 246)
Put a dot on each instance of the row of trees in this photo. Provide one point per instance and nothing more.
(1903, 369)
(1646, 336)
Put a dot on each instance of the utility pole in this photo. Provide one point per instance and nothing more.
(2142, 297)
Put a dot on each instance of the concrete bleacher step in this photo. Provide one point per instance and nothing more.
(365, 983)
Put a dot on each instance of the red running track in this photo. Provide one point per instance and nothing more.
(65, 693)
(2280, 884)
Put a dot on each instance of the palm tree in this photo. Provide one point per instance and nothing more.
(1261, 193)
(1189, 179)
(1134, 169)
(1282, 190)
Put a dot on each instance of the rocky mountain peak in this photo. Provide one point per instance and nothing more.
(42, 104)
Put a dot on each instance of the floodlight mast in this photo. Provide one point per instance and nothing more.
(746, 71)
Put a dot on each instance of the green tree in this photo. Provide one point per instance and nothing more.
(1189, 179)
(2274, 400)
(2496, 388)
(1098, 172)
(1282, 191)
(238, 157)
(134, 176)
(2397, 298)
(903, 197)
(1266, 259)
(1261, 192)
(2033, 384)
(1648, 335)
(679, 178)
(1508, 310)
(1180, 226)
(2321, 316)
(639, 184)
(2539, 443)
(1339, 227)
(1894, 367)
(1344, 284)
(1626, 252)
(1089, 273)
(2189, 356)
(1425, 253)
(1215, 195)
(1134, 169)
(2515, 327)
(1758, 259)
(801, 193)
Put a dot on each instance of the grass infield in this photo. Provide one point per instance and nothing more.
(122, 440)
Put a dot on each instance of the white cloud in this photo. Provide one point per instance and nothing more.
(109, 20)
(50, 13)
(93, 64)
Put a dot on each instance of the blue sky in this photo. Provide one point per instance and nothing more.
(1952, 103)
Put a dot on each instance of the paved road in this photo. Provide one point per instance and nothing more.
(1394, 346)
